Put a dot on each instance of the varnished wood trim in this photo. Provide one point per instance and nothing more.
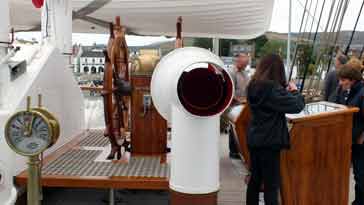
(96, 89)
(322, 115)
(100, 182)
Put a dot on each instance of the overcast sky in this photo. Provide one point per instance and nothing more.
(279, 22)
(280, 15)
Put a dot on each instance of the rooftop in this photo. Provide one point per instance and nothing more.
(92, 54)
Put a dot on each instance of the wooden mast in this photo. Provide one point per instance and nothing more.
(179, 40)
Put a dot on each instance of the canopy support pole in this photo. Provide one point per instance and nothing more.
(57, 25)
(111, 197)
(216, 46)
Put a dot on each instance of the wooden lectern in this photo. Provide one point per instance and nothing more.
(238, 117)
(316, 169)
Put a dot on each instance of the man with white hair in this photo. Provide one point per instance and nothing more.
(241, 79)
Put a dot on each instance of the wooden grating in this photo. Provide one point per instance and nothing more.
(82, 163)
(76, 165)
(94, 138)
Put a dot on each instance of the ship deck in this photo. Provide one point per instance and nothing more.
(78, 173)
(80, 166)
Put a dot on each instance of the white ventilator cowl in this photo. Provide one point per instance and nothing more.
(168, 72)
(191, 88)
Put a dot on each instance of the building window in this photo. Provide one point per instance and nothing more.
(85, 60)
(93, 69)
(101, 69)
(100, 60)
(93, 60)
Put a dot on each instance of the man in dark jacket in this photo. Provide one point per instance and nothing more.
(351, 92)
(331, 81)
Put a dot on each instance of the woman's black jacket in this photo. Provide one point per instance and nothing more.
(269, 102)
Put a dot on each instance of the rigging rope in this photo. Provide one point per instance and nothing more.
(318, 24)
(326, 28)
(337, 34)
(352, 34)
(329, 46)
(338, 30)
(304, 30)
(313, 20)
(315, 36)
(309, 13)
(297, 45)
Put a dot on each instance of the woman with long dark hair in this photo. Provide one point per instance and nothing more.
(270, 97)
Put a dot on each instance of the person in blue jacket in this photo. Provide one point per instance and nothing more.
(351, 93)
(270, 97)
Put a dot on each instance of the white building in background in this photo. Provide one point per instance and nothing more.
(88, 59)
(92, 62)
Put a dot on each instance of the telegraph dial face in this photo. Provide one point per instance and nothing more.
(28, 133)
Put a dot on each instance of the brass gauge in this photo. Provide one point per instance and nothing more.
(32, 131)
(28, 133)
(52, 120)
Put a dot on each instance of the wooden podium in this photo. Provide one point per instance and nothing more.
(149, 129)
(316, 169)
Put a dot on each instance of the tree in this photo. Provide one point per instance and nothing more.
(274, 46)
(305, 60)
(259, 43)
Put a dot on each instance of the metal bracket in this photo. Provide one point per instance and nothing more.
(147, 104)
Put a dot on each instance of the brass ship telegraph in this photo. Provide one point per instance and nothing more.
(29, 133)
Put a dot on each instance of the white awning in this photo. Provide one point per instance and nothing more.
(237, 19)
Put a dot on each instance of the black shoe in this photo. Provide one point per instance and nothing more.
(234, 156)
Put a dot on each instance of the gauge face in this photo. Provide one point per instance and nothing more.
(28, 133)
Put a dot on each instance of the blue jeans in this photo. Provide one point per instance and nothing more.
(358, 168)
